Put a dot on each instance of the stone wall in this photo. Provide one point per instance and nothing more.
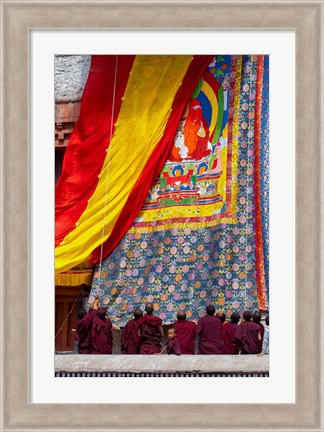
(71, 73)
(163, 365)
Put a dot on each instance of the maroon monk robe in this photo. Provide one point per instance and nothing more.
(209, 329)
(130, 339)
(231, 344)
(93, 311)
(150, 336)
(83, 334)
(260, 342)
(173, 346)
(102, 337)
(186, 333)
(247, 334)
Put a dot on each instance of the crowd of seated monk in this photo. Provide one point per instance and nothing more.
(143, 334)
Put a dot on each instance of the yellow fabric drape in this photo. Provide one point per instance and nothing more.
(74, 278)
(147, 102)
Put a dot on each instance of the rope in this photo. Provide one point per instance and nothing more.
(108, 156)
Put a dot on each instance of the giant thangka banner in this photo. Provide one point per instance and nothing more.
(202, 233)
(164, 190)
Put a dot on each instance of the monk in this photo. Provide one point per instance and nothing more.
(101, 333)
(150, 331)
(222, 317)
(209, 330)
(82, 332)
(231, 344)
(172, 346)
(186, 333)
(248, 335)
(256, 318)
(130, 339)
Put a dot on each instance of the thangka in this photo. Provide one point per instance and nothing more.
(202, 233)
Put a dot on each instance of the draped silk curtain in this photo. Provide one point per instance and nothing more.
(130, 109)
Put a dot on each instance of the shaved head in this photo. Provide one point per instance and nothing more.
(221, 316)
(181, 316)
(235, 317)
(149, 309)
(247, 315)
(82, 313)
(210, 310)
(256, 316)
(138, 313)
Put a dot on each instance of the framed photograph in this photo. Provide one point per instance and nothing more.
(32, 398)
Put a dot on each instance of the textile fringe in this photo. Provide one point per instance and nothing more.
(74, 278)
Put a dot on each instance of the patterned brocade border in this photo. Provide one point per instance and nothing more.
(203, 222)
(235, 133)
(264, 169)
(229, 137)
(260, 273)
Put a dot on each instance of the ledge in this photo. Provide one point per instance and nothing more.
(162, 364)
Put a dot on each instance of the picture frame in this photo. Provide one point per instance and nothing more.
(17, 413)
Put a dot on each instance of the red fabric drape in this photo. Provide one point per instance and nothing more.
(87, 146)
(157, 159)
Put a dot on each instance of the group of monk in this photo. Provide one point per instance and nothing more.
(143, 334)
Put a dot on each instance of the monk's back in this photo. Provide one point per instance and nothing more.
(209, 329)
(150, 335)
(130, 338)
(231, 345)
(102, 337)
(83, 331)
(186, 332)
(249, 337)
